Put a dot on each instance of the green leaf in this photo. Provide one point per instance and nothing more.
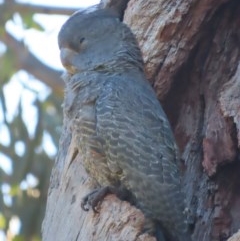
(29, 22)
(7, 69)
(2, 221)
(15, 189)
(18, 238)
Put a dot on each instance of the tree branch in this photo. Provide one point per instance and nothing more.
(26, 8)
(24, 59)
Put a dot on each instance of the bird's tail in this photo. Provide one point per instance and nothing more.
(160, 233)
(163, 235)
(185, 237)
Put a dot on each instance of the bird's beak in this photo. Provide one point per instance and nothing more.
(67, 57)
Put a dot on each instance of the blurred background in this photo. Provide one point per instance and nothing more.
(31, 94)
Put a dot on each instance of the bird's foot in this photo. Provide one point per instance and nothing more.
(94, 198)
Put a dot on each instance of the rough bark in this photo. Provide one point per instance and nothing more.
(235, 237)
(191, 51)
(65, 220)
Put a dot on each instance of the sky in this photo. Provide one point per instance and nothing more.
(65, 3)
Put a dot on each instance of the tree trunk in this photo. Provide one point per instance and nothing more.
(191, 51)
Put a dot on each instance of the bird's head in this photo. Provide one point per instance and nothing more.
(97, 41)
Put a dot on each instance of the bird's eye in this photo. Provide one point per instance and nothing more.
(81, 40)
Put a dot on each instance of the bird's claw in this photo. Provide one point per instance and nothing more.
(91, 200)
(95, 198)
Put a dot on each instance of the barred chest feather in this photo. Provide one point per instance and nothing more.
(81, 94)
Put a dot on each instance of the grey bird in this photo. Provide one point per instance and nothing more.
(117, 123)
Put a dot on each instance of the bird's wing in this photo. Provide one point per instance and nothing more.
(135, 130)
(138, 141)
